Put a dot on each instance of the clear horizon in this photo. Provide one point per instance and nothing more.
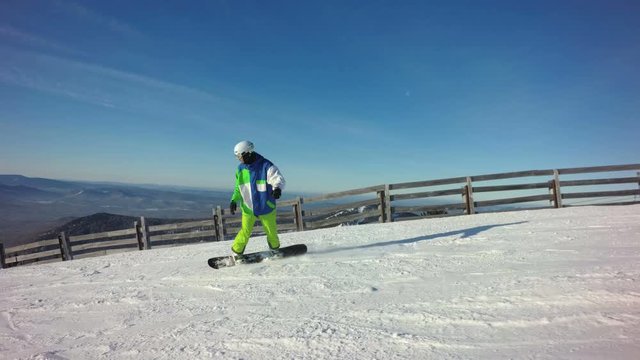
(338, 94)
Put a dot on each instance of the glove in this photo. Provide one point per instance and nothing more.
(233, 207)
(276, 193)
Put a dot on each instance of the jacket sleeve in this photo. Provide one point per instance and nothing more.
(237, 196)
(275, 178)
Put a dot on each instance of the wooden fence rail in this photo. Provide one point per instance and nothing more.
(380, 203)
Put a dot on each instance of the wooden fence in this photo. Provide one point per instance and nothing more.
(381, 203)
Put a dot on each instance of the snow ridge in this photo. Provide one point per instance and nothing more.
(554, 283)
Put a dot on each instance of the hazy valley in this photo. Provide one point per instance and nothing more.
(30, 207)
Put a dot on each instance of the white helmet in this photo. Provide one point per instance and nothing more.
(243, 147)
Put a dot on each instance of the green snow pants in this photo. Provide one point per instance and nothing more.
(268, 224)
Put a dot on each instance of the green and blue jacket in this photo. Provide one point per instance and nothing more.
(254, 186)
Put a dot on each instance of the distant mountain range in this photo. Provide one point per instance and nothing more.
(36, 208)
(31, 206)
(101, 222)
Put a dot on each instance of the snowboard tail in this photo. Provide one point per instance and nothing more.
(256, 257)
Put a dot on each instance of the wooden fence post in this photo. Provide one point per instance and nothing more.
(298, 214)
(3, 264)
(219, 224)
(387, 191)
(382, 207)
(144, 228)
(216, 228)
(557, 195)
(136, 225)
(65, 247)
(387, 203)
(468, 197)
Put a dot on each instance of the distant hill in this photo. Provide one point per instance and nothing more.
(22, 192)
(101, 222)
(36, 208)
(31, 206)
(38, 183)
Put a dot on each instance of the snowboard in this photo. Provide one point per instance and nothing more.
(256, 257)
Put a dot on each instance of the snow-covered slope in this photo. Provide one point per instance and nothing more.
(552, 283)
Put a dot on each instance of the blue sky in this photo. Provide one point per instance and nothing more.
(339, 94)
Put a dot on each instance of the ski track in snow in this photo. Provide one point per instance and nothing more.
(555, 284)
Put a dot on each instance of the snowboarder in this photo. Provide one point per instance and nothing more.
(258, 184)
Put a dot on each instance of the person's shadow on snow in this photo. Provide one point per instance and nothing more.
(465, 234)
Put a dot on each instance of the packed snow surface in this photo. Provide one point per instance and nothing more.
(551, 284)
